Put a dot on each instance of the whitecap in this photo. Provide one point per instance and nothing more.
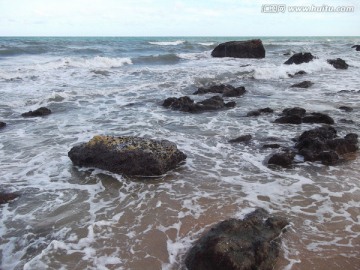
(167, 43)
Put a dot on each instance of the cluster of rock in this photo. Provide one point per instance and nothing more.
(186, 104)
(225, 89)
(299, 58)
(299, 115)
(251, 243)
(318, 144)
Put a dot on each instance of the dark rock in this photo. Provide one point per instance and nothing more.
(300, 58)
(6, 197)
(322, 144)
(240, 49)
(289, 119)
(294, 111)
(346, 121)
(301, 72)
(243, 138)
(338, 63)
(304, 84)
(260, 111)
(346, 108)
(271, 145)
(42, 111)
(287, 53)
(2, 125)
(128, 155)
(282, 159)
(357, 47)
(226, 90)
(318, 118)
(186, 104)
(328, 158)
(252, 243)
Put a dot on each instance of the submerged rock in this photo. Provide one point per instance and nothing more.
(300, 58)
(240, 49)
(243, 138)
(338, 63)
(260, 111)
(2, 125)
(251, 243)
(128, 155)
(186, 104)
(301, 72)
(42, 111)
(304, 84)
(225, 89)
(7, 197)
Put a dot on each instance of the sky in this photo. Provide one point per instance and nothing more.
(174, 18)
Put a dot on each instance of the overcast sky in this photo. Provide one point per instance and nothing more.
(172, 18)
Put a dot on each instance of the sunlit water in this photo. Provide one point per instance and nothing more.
(81, 218)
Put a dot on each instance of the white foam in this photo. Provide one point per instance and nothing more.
(167, 43)
(206, 43)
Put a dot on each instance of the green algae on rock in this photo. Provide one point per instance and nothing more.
(128, 155)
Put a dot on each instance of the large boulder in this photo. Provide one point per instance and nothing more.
(225, 89)
(186, 104)
(251, 243)
(338, 63)
(240, 49)
(42, 111)
(128, 155)
(299, 58)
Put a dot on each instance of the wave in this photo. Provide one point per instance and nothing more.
(87, 51)
(206, 43)
(167, 43)
(283, 71)
(162, 59)
(15, 51)
(97, 62)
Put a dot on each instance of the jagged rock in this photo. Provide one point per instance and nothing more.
(300, 58)
(186, 104)
(251, 243)
(128, 155)
(304, 84)
(338, 63)
(2, 125)
(282, 159)
(42, 111)
(346, 108)
(243, 138)
(225, 89)
(240, 49)
(7, 197)
(260, 111)
(357, 47)
(318, 118)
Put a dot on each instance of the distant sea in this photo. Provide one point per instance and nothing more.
(85, 218)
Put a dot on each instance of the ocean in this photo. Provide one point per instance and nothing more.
(85, 218)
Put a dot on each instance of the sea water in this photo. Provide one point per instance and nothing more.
(85, 218)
